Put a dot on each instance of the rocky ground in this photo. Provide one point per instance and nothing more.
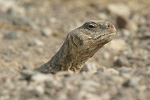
(31, 32)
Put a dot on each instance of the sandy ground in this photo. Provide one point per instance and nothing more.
(31, 32)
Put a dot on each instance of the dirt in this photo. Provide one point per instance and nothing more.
(32, 32)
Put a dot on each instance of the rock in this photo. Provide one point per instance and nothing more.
(5, 5)
(125, 32)
(125, 23)
(89, 85)
(27, 66)
(101, 69)
(64, 73)
(11, 35)
(125, 70)
(36, 42)
(112, 71)
(16, 10)
(119, 9)
(6, 57)
(39, 51)
(82, 95)
(122, 22)
(118, 45)
(122, 61)
(89, 67)
(39, 90)
(133, 82)
(19, 21)
(28, 74)
(106, 55)
(133, 27)
(46, 32)
(103, 16)
(22, 21)
(41, 77)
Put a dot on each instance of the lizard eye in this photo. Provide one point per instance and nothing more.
(91, 26)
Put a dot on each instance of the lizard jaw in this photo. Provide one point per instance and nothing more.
(102, 35)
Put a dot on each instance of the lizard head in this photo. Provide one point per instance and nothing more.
(93, 33)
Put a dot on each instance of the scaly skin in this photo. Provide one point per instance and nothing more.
(80, 45)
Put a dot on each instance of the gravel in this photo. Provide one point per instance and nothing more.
(32, 32)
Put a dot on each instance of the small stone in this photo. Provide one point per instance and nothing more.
(22, 21)
(118, 45)
(133, 82)
(101, 69)
(36, 42)
(112, 71)
(53, 20)
(119, 9)
(11, 35)
(89, 67)
(64, 73)
(46, 32)
(122, 22)
(125, 70)
(28, 73)
(103, 16)
(133, 26)
(14, 10)
(121, 61)
(27, 66)
(41, 77)
(39, 90)
(106, 55)
(39, 50)
(126, 33)
(89, 85)
(5, 58)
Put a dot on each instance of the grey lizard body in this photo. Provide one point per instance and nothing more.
(80, 45)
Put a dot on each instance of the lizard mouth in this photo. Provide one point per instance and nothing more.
(102, 35)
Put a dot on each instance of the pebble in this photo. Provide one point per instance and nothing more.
(36, 42)
(126, 32)
(11, 35)
(132, 82)
(122, 61)
(28, 73)
(103, 16)
(125, 70)
(106, 55)
(39, 51)
(39, 90)
(46, 32)
(118, 45)
(6, 58)
(122, 22)
(119, 9)
(16, 10)
(41, 77)
(128, 82)
(112, 71)
(27, 66)
(21, 21)
(90, 66)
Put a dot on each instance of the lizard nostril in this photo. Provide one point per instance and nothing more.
(110, 25)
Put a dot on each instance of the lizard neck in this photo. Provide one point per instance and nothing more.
(68, 58)
(63, 59)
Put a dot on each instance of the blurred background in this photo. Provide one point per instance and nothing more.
(32, 31)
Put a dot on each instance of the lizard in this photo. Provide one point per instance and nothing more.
(80, 45)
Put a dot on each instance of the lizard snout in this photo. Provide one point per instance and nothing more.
(110, 26)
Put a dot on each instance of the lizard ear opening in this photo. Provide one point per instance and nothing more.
(76, 40)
